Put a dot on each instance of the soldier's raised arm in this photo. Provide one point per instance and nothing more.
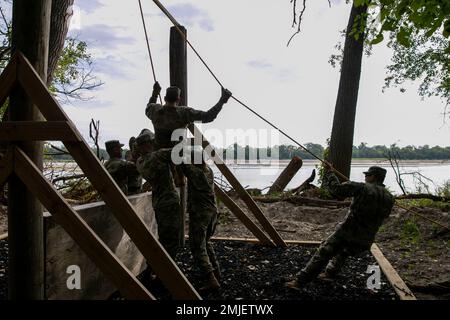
(192, 115)
(155, 93)
(153, 99)
(338, 189)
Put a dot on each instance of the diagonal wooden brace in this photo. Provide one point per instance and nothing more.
(75, 226)
(156, 256)
(237, 211)
(251, 204)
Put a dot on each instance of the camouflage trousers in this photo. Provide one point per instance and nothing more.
(168, 219)
(201, 228)
(331, 256)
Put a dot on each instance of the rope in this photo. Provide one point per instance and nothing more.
(148, 45)
(345, 178)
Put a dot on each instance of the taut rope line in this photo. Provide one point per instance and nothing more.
(148, 45)
(177, 26)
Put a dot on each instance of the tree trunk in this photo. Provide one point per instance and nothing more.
(30, 35)
(59, 26)
(341, 143)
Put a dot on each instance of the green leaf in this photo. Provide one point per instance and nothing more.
(378, 38)
(403, 37)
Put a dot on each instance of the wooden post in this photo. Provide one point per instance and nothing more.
(178, 78)
(286, 175)
(30, 35)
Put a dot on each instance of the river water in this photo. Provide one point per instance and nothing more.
(262, 176)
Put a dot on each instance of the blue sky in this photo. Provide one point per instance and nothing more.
(244, 42)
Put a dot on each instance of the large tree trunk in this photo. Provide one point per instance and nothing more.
(345, 111)
(62, 11)
(30, 35)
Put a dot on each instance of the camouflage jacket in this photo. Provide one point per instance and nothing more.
(124, 174)
(201, 196)
(371, 204)
(155, 168)
(166, 119)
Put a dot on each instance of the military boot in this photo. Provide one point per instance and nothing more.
(210, 284)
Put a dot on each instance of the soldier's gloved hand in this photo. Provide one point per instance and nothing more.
(156, 88)
(226, 94)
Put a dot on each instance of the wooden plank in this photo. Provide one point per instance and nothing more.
(286, 175)
(178, 78)
(62, 251)
(251, 204)
(391, 274)
(69, 219)
(6, 167)
(246, 221)
(8, 79)
(166, 12)
(36, 131)
(38, 92)
(156, 256)
(256, 241)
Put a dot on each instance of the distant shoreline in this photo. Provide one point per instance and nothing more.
(355, 162)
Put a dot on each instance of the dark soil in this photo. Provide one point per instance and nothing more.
(255, 272)
(3, 269)
(418, 249)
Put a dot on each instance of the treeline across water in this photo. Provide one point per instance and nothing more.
(285, 152)
(362, 151)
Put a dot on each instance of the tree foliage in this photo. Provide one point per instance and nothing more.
(363, 150)
(73, 77)
(418, 32)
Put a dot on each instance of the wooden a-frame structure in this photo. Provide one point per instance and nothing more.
(59, 127)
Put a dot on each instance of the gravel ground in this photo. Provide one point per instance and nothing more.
(254, 272)
(3, 269)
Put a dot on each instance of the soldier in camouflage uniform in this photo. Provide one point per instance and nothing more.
(154, 167)
(372, 203)
(202, 211)
(123, 172)
(170, 117)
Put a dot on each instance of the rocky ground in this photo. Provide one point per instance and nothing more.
(418, 249)
(255, 272)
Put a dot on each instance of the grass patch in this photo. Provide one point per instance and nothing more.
(410, 233)
(426, 203)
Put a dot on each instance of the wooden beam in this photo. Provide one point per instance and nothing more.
(36, 131)
(38, 92)
(83, 235)
(6, 168)
(246, 221)
(393, 277)
(4, 236)
(160, 262)
(178, 78)
(30, 35)
(251, 204)
(8, 79)
(286, 175)
(166, 12)
(155, 254)
(256, 241)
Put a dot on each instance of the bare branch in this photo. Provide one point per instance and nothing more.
(300, 18)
